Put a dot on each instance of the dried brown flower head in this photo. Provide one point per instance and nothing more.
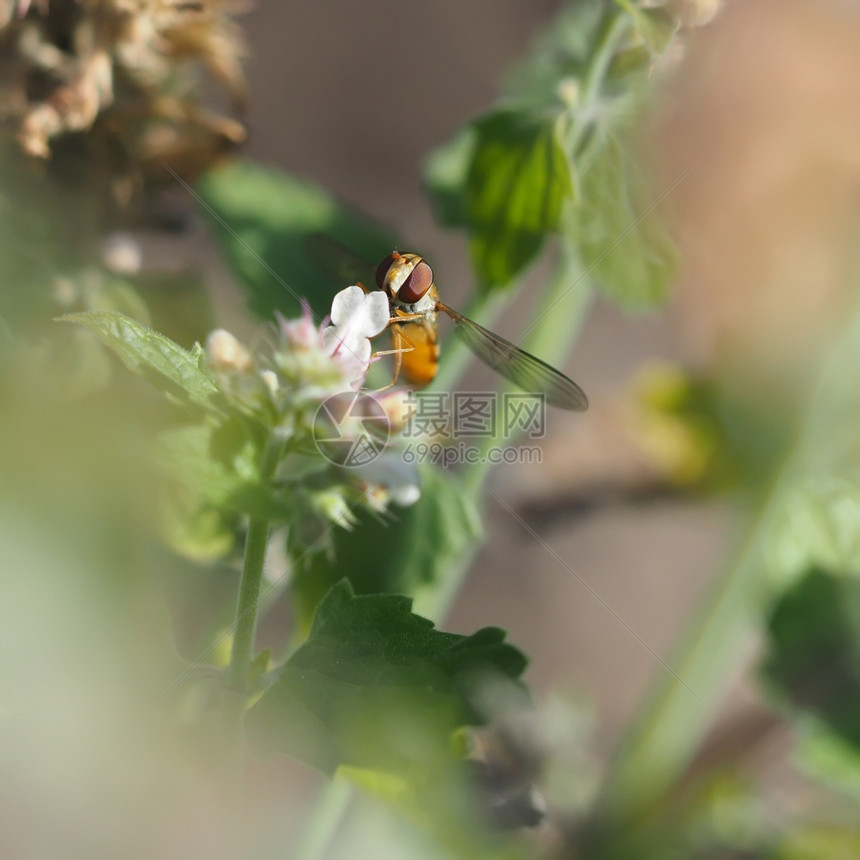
(127, 71)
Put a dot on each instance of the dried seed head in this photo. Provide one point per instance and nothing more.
(127, 69)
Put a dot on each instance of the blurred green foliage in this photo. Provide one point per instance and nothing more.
(555, 158)
(517, 183)
(406, 551)
(266, 223)
(813, 660)
(703, 437)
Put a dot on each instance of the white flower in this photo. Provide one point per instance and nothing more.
(356, 317)
(318, 362)
(335, 358)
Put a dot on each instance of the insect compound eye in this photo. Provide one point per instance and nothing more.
(419, 280)
(382, 271)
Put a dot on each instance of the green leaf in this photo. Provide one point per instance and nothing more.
(446, 172)
(263, 220)
(197, 532)
(215, 466)
(169, 367)
(218, 465)
(827, 758)
(518, 181)
(203, 463)
(817, 525)
(620, 240)
(413, 547)
(555, 142)
(376, 686)
(813, 662)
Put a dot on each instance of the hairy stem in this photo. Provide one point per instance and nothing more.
(256, 541)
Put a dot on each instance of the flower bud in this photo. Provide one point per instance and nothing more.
(225, 354)
(399, 406)
(270, 378)
(568, 90)
(301, 334)
(695, 13)
(121, 254)
(331, 504)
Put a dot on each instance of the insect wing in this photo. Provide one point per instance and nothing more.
(523, 369)
(339, 261)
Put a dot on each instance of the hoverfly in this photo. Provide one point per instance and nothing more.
(414, 305)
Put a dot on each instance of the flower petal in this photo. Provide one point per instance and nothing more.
(363, 314)
(351, 354)
(378, 313)
(346, 304)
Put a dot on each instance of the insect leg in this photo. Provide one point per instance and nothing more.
(398, 337)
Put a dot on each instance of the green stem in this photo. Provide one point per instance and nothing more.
(256, 542)
(674, 720)
(325, 818)
(614, 31)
